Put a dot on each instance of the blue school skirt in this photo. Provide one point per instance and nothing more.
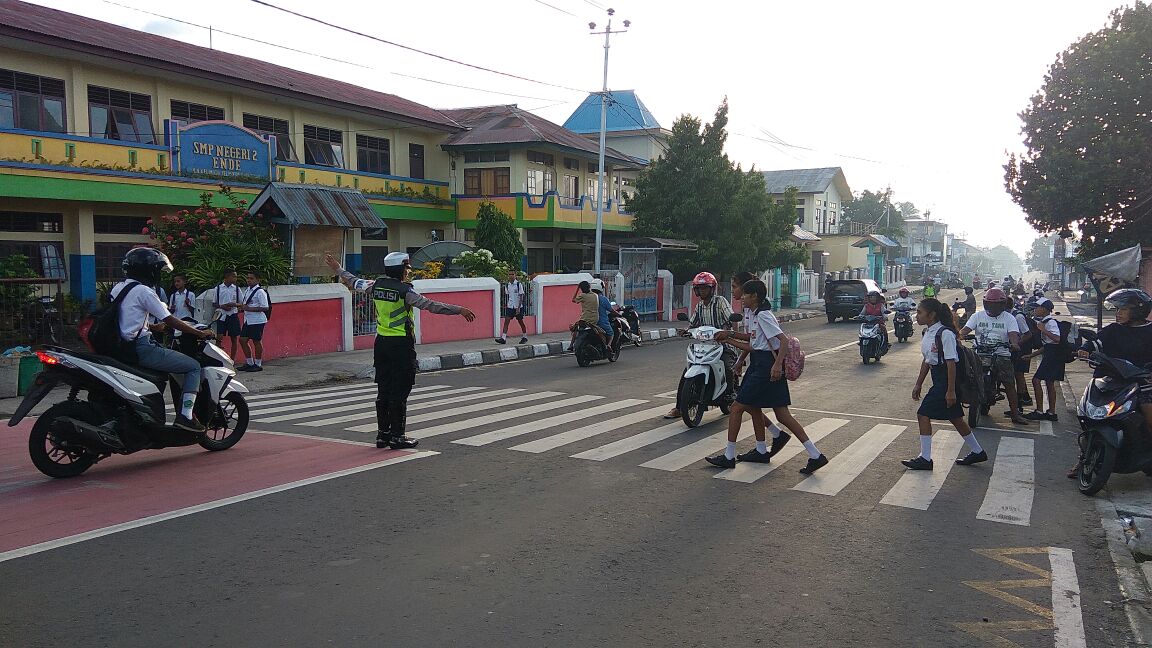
(758, 389)
(934, 405)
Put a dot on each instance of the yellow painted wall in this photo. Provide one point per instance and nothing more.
(842, 256)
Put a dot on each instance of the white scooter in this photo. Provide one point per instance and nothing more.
(871, 338)
(705, 381)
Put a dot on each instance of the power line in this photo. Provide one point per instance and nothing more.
(563, 11)
(414, 49)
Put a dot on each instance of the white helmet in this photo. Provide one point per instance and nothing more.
(395, 259)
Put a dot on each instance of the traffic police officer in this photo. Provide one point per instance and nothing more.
(394, 355)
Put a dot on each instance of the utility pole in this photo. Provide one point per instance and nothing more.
(603, 134)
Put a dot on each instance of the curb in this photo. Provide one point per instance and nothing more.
(529, 351)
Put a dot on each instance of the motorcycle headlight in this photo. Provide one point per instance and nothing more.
(1095, 411)
(1123, 408)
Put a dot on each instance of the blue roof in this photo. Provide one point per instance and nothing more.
(625, 113)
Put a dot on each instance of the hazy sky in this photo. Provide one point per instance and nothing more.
(922, 96)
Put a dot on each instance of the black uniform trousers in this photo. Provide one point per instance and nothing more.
(394, 358)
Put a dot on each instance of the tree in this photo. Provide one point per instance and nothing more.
(496, 232)
(695, 192)
(876, 208)
(1040, 255)
(1089, 140)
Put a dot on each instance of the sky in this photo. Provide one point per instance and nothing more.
(923, 97)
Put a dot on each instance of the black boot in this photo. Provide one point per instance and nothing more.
(398, 415)
(383, 423)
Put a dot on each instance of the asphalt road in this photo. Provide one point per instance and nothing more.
(599, 538)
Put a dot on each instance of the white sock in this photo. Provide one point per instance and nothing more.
(973, 444)
(926, 446)
(259, 362)
(186, 403)
(775, 430)
(811, 448)
(761, 447)
(730, 450)
(249, 362)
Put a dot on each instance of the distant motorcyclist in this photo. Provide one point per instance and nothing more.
(874, 307)
(929, 290)
(711, 310)
(904, 301)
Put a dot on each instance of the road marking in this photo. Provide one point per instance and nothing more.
(588, 431)
(637, 441)
(750, 472)
(917, 488)
(1038, 431)
(163, 517)
(545, 423)
(867, 416)
(832, 349)
(695, 452)
(272, 399)
(847, 466)
(363, 402)
(321, 390)
(667, 394)
(1066, 613)
(357, 398)
(313, 437)
(1011, 487)
(467, 409)
(367, 409)
(502, 416)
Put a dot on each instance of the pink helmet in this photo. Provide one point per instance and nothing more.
(705, 279)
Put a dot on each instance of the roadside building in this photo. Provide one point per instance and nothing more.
(629, 127)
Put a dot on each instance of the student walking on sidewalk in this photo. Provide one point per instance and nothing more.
(256, 306)
(763, 386)
(941, 403)
(514, 298)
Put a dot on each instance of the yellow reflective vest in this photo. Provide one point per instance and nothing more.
(393, 313)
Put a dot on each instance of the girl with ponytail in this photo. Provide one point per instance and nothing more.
(939, 348)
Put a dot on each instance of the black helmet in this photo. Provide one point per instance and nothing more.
(144, 264)
(968, 290)
(1134, 299)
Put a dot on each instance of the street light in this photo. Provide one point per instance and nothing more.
(603, 134)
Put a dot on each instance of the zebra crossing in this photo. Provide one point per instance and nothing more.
(615, 428)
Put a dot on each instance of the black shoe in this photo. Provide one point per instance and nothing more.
(524, 340)
(1025, 401)
(917, 463)
(814, 465)
(755, 456)
(1035, 416)
(972, 458)
(382, 441)
(720, 461)
(402, 442)
(1051, 416)
(1008, 413)
(778, 443)
(254, 368)
(246, 367)
(500, 340)
(187, 424)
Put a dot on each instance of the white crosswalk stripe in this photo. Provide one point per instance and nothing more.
(695, 452)
(917, 488)
(1012, 485)
(750, 472)
(468, 409)
(848, 465)
(364, 402)
(545, 423)
(589, 431)
(367, 409)
(636, 441)
(501, 416)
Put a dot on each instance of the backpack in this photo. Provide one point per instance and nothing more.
(969, 386)
(266, 294)
(101, 330)
(794, 361)
(1069, 338)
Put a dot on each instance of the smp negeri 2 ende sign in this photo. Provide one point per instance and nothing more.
(217, 148)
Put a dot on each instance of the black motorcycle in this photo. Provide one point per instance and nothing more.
(902, 326)
(588, 347)
(1113, 437)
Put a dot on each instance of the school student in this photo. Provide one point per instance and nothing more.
(256, 305)
(940, 356)
(763, 386)
(225, 300)
(1051, 369)
(182, 305)
(514, 298)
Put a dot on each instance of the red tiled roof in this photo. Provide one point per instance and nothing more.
(26, 21)
(507, 124)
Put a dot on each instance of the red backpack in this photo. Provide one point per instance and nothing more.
(794, 361)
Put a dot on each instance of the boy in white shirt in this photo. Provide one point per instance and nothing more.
(182, 305)
(513, 307)
(996, 326)
(256, 305)
(225, 301)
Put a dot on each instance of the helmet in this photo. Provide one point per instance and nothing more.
(995, 301)
(145, 264)
(968, 290)
(1137, 301)
(1038, 293)
(396, 259)
(903, 291)
(875, 293)
(705, 279)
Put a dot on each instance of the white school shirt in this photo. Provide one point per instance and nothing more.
(226, 295)
(178, 303)
(947, 340)
(1053, 327)
(993, 330)
(255, 296)
(763, 327)
(515, 292)
(141, 303)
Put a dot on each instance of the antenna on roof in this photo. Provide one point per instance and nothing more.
(210, 37)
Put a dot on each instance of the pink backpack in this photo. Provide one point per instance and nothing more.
(794, 361)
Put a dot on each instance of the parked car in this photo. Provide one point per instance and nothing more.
(845, 297)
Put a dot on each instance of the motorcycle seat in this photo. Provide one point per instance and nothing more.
(156, 377)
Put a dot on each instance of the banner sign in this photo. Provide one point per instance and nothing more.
(218, 148)
(639, 270)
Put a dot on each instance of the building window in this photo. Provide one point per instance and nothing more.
(469, 234)
(570, 190)
(323, 146)
(193, 112)
(372, 155)
(45, 257)
(539, 235)
(374, 234)
(109, 256)
(540, 181)
(593, 184)
(120, 115)
(31, 102)
(118, 224)
(415, 160)
(14, 221)
(540, 260)
(372, 259)
(593, 167)
(487, 182)
(571, 164)
(541, 158)
(277, 128)
(474, 157)
(800, 216)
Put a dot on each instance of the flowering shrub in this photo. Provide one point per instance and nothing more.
(481, 263)
(431, 270)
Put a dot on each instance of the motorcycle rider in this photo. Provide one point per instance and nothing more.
(997, 326)
(143, 266)
(874, 307)
(929, 289)
(604, 317)
(904, 301)
(1128, 338)
(969, 305)
(589, 311)
(394, 353)
(712, 310)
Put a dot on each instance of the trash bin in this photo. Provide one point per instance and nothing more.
(29, 367)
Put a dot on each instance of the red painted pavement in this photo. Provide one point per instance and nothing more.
(35, 508)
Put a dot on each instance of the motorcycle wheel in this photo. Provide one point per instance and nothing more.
(726, 405)
(691, 399)
(227, 424)
(46, 453)
(582, 358)
(973, 416)
(614, 353)
(1096, 467)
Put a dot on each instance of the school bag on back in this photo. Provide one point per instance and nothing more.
(253, 294)
(1069, 334)
(794, 361)
(969, 386)
(101, 330)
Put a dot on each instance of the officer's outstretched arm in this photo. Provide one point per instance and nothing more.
(354, 283)
(416, 300)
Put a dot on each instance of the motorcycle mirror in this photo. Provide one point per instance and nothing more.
(681, 317)
(735, 317)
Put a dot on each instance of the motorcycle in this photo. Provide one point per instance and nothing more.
(588, 346)
(706, 382)
(871, 338)
(633, 320)
(902, 326)
(123, 409)
(1113, 438)
(991, 388)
